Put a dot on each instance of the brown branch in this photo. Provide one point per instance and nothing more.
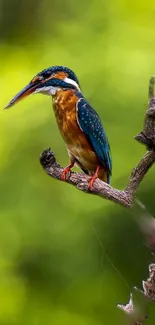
(80, 180)
(126, 196)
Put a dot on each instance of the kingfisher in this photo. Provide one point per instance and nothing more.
(79, 124)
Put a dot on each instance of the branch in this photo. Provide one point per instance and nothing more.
(138, 312)
(80, 180)
(123, 197)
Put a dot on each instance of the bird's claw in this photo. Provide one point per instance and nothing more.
(65, 172)
(93, 178)
(91, 183)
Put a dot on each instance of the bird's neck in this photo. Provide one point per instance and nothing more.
(64, 99)
(64, 105)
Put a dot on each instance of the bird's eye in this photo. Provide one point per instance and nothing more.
(46, 74)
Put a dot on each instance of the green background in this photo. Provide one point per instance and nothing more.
(68, 258)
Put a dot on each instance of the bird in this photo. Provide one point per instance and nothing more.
(79, 124)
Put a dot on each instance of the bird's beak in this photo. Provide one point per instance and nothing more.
(26, 91)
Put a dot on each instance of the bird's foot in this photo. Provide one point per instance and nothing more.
(91, 182)
(66, 171)
(93, 178)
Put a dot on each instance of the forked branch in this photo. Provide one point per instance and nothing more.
(123, 197)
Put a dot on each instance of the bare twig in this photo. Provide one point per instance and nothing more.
(138, 314)
(126, 196)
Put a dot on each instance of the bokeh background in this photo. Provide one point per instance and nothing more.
(66, 257)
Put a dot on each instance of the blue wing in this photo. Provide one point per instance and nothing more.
(91, 125)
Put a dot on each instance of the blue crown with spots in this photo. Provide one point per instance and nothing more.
(47, 72)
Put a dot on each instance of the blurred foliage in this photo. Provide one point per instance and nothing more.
(67, 257)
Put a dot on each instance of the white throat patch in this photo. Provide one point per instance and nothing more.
(49, 90)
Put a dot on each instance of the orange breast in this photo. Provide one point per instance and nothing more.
(76, 142)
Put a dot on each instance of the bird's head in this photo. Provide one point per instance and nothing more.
(48, 82)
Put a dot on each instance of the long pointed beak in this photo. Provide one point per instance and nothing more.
(26, 91)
